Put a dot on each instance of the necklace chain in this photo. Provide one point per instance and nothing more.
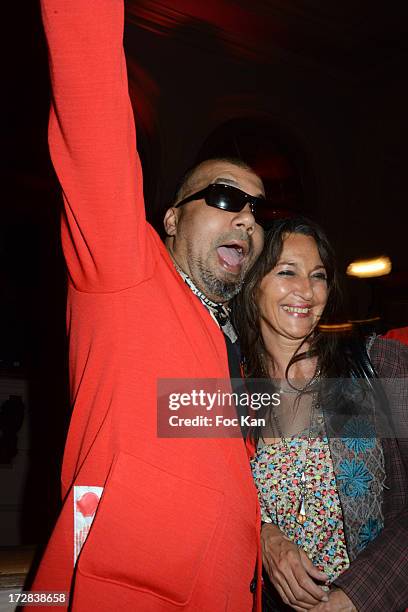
(292, 388)
(301, 515)
(219, 311)
(308, 385)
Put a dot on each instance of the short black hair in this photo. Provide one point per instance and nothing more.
(185, 179)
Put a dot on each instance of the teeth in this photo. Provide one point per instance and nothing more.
(296, 309)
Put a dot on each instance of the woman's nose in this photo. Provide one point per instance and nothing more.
(304, 288)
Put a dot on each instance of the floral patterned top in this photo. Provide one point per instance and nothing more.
(277, 470)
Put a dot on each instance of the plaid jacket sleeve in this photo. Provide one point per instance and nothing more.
(377, 580)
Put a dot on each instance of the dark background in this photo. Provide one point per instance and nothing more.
(312, 93)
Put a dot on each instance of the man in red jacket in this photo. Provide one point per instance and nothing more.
(147, 524)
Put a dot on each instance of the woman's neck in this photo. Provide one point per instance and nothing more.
(279, 352)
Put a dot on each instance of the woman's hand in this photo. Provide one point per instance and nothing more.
(290, 570)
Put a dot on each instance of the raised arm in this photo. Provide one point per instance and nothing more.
(93, 146)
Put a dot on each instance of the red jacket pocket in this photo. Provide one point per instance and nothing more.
(152, 530)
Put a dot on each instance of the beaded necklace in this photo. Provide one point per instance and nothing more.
(219, 311)
(301, 515)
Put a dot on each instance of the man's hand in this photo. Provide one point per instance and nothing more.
(338, 602)
(291, 571)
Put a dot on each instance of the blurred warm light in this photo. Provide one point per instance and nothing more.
(367, 268)
(371, 320)
(336, 327)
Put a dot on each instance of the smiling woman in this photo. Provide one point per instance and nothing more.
(292, 296)
(321, 493)
(292, 287)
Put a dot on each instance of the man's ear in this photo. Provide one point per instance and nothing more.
(170, 221)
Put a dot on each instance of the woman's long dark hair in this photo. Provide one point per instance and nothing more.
(326, 345)
(340, 354)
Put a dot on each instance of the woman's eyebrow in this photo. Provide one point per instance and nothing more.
(293, 263)
(286, 263)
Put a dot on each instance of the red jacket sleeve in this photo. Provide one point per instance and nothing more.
(93, 146)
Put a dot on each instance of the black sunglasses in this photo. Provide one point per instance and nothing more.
(225, 197)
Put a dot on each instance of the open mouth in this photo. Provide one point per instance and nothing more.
(298, 311)
(232, 255)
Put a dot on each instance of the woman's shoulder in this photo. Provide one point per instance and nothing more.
(389, 357)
